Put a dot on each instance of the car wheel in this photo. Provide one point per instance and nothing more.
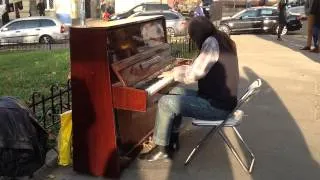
(225, 29)
(284, 30)
(170, 32)
(46, 39)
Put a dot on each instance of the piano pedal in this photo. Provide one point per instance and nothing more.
(148, 145)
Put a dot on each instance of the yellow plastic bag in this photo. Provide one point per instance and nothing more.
(65, 139)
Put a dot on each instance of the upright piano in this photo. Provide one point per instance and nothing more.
(114, 70)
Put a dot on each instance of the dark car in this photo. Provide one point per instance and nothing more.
(140, 8)
(258, 19)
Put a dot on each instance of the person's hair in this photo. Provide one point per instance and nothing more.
(200, 28)
(281, 4)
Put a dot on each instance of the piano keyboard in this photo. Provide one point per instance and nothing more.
(157, 86)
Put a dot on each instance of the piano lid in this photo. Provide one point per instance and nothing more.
(138, 50)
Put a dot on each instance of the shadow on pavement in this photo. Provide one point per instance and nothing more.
(270, 130)
(294, 42)
(275, 137)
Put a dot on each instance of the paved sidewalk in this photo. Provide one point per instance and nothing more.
(282, 126)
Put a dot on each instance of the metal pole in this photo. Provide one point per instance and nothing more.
(82, 13)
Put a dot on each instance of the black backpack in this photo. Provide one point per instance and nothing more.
(23, 142)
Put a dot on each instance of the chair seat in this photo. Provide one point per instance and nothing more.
(234, 120)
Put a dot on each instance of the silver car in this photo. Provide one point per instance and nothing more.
(33, 30)
(176, 24)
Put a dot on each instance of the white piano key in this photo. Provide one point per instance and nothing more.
(154, 88)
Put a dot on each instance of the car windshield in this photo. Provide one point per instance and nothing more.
(238, 14)
(250, 13)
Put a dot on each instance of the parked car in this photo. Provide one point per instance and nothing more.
(258, 19)
(32, 30)
(140, 8)
(176, 23)
(299, 11)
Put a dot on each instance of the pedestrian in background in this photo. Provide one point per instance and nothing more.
(310, 20)
(315, 13)
(106, 15)
(248, 3)
(282, 17)
(103, 7)
(110, 8)
(41, 8)
(198, 11)
(4, 12)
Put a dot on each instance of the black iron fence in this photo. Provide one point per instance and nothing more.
(47, 108)
(182, 47)
(33, 45)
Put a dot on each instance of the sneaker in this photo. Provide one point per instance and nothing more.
(157, 153)
(279, 39)
(306, 48)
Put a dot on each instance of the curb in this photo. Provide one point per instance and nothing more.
(50, 163)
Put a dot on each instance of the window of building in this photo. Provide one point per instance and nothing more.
(49, 4)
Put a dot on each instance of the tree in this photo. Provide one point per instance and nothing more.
(33, 7)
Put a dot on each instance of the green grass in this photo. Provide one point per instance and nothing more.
(22, 73)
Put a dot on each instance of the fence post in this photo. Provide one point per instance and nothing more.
(43, 110)
(50, 45)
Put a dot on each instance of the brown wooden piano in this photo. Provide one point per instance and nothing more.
(115, 90)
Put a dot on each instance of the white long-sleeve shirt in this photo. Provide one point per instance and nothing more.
(209, 55)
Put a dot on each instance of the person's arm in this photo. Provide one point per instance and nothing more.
(208, 56)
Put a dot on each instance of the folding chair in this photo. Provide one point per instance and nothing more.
(233, 120)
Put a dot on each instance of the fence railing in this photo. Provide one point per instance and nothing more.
(33, 45)
(47, 108)
(181, 46)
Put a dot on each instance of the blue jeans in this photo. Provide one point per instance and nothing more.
(180, 103)
(315, 34)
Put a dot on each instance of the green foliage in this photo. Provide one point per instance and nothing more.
(22, 73)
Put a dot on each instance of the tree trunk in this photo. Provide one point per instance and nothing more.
(33, 8)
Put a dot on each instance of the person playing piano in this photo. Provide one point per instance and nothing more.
(216, 72)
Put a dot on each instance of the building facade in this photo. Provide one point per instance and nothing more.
(52, 7)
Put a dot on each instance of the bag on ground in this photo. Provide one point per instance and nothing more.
(23, 142)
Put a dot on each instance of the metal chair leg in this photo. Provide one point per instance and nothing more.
(198, 145)
(253, 158)
(229, 144)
